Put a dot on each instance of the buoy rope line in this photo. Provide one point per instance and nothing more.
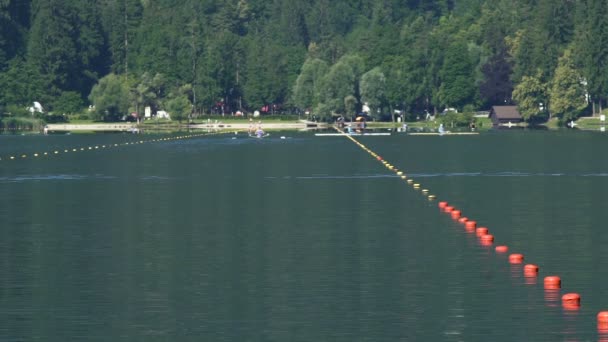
(100, 147)
(552, 283)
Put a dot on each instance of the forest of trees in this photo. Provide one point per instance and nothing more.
(294, 56)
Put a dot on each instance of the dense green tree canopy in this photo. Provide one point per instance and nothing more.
(302, 55)
(531, 96)
(110, 97)
(567, 92)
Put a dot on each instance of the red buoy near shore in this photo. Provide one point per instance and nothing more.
(463, 220)
(602, 317)
(455, 214)
(553, 282)
(501, 249)
(442, 204)
(448, 209)
(470, 226)
(516, 258)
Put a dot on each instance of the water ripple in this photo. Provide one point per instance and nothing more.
(155, 178)
(50, 177)
(446, 174)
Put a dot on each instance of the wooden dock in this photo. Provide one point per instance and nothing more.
(351, 134)
(110, 127)
(446, 133)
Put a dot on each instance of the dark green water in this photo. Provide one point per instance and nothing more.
(300, 239)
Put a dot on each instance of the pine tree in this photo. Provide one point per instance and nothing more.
(457, 82)
(592, 48)
(121, 19)
(51, 47)
(14, 19)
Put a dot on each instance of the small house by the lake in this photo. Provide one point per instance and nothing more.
(505, 116)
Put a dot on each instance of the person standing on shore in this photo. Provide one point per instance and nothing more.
(251, 127)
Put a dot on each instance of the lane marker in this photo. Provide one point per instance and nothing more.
(97, 147)
(552, 284)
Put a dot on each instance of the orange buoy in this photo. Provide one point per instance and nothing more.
(501, 249)
(571, 299)
(602, 317)
(516, 258)
(602, 328)
(455, 214)
(487, 238)
(463, 220)
(530, 270)
(379, 158)
(572, 308)
(553, 282)
(481, 231)
(470, 225)
(448, 209)
(442, 204)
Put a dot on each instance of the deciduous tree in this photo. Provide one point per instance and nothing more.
(531, 97)
(373, 91)
(567, 93)
(110, 97)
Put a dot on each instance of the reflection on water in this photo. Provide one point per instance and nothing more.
(301, 239)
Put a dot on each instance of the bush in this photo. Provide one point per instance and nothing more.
(81, 117)
(55, 118)
(453, 119)
(20, 123)
(69, 102)
(15, 110)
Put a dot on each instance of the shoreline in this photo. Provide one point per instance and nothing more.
(131, 127)
(585, 124)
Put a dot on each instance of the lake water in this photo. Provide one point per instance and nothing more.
(230, 238)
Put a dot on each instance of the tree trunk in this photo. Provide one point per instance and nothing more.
(126, 42)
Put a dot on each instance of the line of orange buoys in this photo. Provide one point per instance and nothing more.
(552, 284)
(98, 147)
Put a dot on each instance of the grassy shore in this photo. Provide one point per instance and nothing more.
(591, 123)
(292, 122)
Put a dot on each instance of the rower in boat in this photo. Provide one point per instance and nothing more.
(259, 132)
